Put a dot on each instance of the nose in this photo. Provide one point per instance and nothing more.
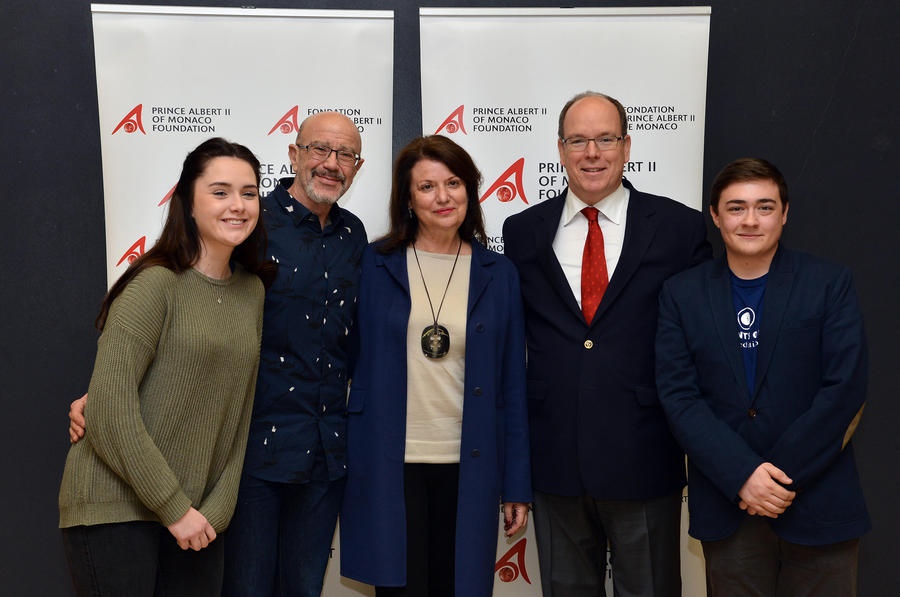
(331, 161)
(237, 203)
(592, 150)
(751, 218)
(443, 193)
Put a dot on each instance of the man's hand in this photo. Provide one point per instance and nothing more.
(515, 515)
(192, 531)
(763, 494)
(76, 419)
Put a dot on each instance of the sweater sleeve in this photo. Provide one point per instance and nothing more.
(115, 428)
(218, 506)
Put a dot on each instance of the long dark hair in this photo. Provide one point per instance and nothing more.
(440, 149)
(178, 246)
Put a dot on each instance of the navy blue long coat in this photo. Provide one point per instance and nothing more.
(494, 454)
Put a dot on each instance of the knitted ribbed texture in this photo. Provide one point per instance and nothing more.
(169, 402)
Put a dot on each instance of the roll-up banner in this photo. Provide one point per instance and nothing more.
(494, 81)
(170, 77)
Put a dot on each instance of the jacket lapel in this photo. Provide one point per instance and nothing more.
(778, 291)
(640, 227)
(480, 274)
(395, 263)
(544, 233)
(722, 306)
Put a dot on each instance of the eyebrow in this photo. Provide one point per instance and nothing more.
(761, 200)
(326, 144)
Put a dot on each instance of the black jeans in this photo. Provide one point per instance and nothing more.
(140, 559)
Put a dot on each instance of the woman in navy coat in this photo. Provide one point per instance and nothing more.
(437, 422)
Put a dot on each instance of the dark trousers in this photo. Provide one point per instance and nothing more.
(644, 545)
(279, 540)
(430, 492)
(755, 562)
(139, 559)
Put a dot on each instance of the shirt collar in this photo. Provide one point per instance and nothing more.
(612, 206)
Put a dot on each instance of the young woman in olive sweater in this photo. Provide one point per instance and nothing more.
(144, 496)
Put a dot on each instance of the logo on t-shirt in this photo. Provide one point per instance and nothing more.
(748, 336)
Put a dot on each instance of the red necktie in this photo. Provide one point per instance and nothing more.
(594, 278)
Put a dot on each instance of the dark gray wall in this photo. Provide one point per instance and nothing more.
(808, 85)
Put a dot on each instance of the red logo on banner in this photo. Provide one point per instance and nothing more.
(510, 570)
(132, 121)
(508, 189)
(288, 123)
(454, 122)
(168, 196)
(133, 252)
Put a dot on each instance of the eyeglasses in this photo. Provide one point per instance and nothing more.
(579, 144)
(323, 152)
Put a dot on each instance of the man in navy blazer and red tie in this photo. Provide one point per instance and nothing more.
(762, 368)
(591, 262)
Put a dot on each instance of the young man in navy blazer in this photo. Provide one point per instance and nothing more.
(604, 464)
(761, 368)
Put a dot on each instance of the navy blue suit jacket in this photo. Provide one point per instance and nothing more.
(810, 385)
(595, 420)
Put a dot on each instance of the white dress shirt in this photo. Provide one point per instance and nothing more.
(568, 244)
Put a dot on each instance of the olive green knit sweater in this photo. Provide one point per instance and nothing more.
(169, 402)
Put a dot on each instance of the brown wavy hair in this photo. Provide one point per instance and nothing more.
(178, 246)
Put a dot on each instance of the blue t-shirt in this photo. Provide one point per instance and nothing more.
(747, 296)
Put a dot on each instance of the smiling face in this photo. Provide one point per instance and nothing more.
(750, 215)
(226, 203)
(593, 174)
(437, 197)
(324, 181)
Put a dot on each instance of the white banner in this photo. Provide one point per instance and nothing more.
(494, 81)
(170, 77)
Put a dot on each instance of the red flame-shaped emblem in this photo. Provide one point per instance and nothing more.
(132, 121)
(509, 570)
(287, 124)
(509, 185)
(168, 196)
(133, 252)
(454, 122)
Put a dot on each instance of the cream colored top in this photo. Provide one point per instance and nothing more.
(434, 387)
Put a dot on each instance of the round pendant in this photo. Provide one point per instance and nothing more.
(435, 341)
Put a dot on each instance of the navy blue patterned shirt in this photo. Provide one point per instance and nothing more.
(299, 413)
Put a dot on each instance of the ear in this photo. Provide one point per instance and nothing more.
(626, 147)
(784, 215)
(715, 216)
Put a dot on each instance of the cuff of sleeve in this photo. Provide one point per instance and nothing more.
(174, 509)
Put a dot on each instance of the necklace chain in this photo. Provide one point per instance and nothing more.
(446, 288)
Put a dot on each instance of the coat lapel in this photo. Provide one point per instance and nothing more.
(480, 274)
(395, 263)
(778, 291)
(722, 306)
(544, 233)
(640, 227)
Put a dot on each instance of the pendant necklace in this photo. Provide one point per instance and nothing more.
(436, 338)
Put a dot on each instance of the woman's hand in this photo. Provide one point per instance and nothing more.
(192, 531)
(76, 419)
(515, 515)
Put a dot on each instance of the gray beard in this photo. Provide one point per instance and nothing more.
(316, 198)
